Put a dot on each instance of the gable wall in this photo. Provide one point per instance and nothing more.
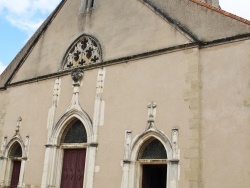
(204, 23)
(113, 23)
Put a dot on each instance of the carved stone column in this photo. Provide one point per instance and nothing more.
(3, 163)
(126, 161)
(91, 165)
(98, 112)
(23, 164)
(47, 171)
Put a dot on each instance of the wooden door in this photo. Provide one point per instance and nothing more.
(15, 174)
(73, 168)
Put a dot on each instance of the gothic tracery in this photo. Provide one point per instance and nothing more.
(86, 50)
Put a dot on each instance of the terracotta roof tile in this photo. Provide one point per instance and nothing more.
(221, 11)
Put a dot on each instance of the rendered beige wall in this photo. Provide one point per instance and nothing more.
(128, 88)
(225, 115)
(127, 91)
(31, 103)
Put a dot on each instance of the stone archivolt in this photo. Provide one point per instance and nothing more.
(84, 51)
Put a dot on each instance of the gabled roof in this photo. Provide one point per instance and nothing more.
(225, 13)
(201, 21)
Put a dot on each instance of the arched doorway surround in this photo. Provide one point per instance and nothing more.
(73, 142)
(58, 148)
(15, 154)
(152, 158)
(151, 150)
(141, 163)
(13, 159)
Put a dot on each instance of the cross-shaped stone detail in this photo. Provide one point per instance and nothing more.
(151, 112)
(19, 120)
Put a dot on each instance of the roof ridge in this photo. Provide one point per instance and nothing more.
(225, 13)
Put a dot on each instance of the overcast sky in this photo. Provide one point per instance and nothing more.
(20, 18)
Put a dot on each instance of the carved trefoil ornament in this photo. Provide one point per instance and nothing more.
(85, 50)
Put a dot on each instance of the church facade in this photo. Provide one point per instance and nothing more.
(130, 94)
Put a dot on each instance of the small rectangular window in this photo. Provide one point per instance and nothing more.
(92, 3)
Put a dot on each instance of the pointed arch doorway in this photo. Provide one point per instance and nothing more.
(65, 135)
(15, 155)
(152, 158)
(74, 155)
(13, 161)
(73, 168)
(15, 174)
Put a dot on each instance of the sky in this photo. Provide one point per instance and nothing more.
(19, 19)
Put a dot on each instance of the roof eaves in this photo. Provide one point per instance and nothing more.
(225, 13)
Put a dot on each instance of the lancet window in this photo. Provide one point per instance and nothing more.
(16, 150)
(75, 134)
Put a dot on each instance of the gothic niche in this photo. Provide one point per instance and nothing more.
(84, 51)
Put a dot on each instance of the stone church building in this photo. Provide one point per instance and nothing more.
(129, 94)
